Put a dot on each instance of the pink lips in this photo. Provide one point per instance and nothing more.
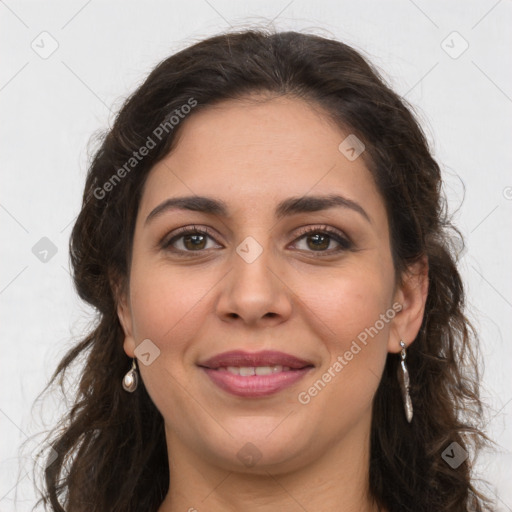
(255, 385)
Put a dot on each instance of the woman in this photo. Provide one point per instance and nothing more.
(280, 315)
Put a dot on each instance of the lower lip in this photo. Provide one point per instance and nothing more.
(255, 385)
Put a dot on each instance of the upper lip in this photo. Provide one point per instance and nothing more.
(252, 359)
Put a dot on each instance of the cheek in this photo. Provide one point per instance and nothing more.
(354, 309)
(167, 308)
(349, 301)
(165, 304)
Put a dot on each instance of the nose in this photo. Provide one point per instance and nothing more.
(253, 292)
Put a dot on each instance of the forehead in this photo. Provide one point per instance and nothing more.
(254, 153)
(256, 130)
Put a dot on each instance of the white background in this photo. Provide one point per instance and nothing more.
(51, 107)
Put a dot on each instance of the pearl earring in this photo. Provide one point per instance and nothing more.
(131, 379)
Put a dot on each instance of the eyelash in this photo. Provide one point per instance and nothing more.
(345, 243)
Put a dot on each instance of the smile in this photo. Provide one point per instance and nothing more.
(257, 374)
(247, 371)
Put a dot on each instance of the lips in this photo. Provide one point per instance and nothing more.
(257, 374)
(265, 358)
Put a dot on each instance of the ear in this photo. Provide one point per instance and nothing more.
(412, 294)
(120, 289)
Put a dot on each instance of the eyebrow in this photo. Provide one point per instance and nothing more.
(286, 208)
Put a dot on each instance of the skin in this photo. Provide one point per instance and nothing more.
(313, 456)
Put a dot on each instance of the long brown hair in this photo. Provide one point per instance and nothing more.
(110, 446)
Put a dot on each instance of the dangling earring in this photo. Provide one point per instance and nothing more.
(403, 379)
(131, 379)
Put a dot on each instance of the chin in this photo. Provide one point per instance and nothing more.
(257, 449)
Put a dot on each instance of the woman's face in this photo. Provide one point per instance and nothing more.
(309, 317)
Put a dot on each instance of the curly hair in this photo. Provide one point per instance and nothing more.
(110, 446)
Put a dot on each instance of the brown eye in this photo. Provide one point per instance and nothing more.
(189, 239)
(318, 241)
(321, 239)
(192, 242)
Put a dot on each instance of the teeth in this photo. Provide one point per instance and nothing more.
(247, 371)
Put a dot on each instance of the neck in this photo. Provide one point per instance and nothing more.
(337, 480)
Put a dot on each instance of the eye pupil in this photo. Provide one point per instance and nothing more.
(324, 241)
(195, 239)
